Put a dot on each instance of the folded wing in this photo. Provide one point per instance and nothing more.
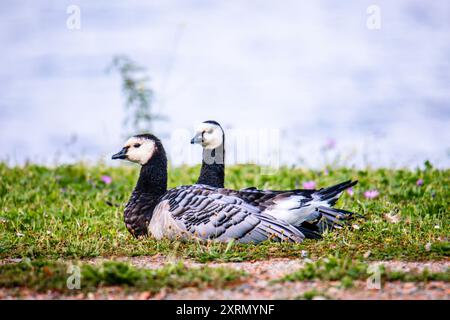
(207, 213)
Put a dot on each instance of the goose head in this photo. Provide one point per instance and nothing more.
(139, 149)
(209, 134)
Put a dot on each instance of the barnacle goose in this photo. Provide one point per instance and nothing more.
(310, 209)
(194, 211)
(212, 138)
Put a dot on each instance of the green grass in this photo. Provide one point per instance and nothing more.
(311, 294)
(53, 275)
(345, 270)
(67, 211)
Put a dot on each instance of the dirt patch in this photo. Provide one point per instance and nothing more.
(258, 284)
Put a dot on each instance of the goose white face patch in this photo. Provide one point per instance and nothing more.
(140, 150)
(212, 135)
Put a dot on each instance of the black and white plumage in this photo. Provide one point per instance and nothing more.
(192, 212)
(148, 151)
(212, 138)
(307, 209)
(298, 207)
(205, 213)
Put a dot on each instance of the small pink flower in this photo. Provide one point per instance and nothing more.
(419, 182)
(309, 185)
(330, 144)
(106, 179)
(350, 192)
(371, 194)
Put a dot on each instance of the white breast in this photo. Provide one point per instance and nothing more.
(163, 225)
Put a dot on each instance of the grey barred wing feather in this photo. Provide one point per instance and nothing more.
(267, 198)
(310, 209)
(203, 212)
(264, 199)
(293, 206)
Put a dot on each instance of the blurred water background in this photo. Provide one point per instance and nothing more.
(335, 90)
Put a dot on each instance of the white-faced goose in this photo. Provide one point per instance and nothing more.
(195, 211)
(212, 138)
(308, 209)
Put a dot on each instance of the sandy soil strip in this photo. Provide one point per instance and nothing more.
(257, 285)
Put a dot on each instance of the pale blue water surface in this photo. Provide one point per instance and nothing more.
(310, 70)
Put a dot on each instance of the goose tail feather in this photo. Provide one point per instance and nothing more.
(310, 231)
(331, 194)
(333, 218)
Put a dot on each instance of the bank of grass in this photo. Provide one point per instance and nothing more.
(69, 212)
(346, 270)
(42, 275)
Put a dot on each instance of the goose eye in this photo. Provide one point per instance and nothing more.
(137, 145)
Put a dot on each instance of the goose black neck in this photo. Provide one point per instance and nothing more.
(153, 177)
(212, 172)
(151, 185)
